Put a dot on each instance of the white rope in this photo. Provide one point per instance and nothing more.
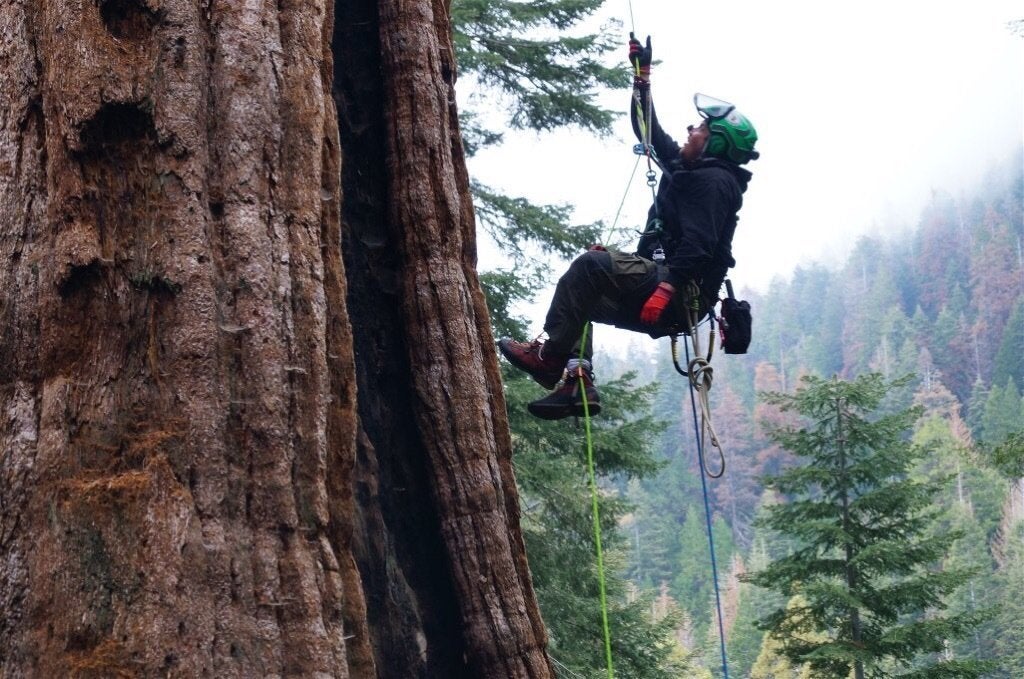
(568, 672)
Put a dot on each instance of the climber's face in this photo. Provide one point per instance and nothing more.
(695, 143)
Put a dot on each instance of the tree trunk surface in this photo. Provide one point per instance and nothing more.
(168, 402)
(434, 481)
(458, 401)
(189, 485)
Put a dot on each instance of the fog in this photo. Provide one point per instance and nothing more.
(862, 111)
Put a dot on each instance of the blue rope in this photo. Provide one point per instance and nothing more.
(707, 519)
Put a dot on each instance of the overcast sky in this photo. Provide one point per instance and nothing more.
(862, 110)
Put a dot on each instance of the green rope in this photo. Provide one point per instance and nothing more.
(597, 516)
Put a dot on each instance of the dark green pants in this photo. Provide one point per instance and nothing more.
(605, 287)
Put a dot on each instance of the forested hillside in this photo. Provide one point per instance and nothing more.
(944, 303)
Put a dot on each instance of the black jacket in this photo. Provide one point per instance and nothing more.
(697, 207)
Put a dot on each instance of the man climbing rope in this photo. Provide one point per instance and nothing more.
(681, 259)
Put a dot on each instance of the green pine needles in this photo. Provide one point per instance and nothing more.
(865, 565)
(533, 55)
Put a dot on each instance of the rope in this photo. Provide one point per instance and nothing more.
(707, 519)
(597, 517)
(699, 372)
(568, 671)
(611, 231)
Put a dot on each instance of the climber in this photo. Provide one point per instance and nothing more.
(688, 240)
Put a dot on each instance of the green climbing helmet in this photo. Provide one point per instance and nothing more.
(732, 135)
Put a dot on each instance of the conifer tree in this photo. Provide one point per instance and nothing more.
(936, 262)
(693, 585)
(773, 663)
(1002, 414)
(1009, 624)
(550, 464)
(736, 493)
(951, 344)
(1008, 456)
(976, 408)
(771, 458)
(746, 640)
(1008, 627)
(661, 503)
(543, 83)
(864, 555)
(1009, 360)
(546, 82)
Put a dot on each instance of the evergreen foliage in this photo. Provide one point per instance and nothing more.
(1002, 414)
(865, 557)
(1009, 360)
(693, 584)
(662, 503)
(524, 51)
(772, 661)
(1008, 634)
(546, 83)
(1008, 456)
(550, 464)
(976, 407)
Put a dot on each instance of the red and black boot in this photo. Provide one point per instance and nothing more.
(545, 368)
(568, 399)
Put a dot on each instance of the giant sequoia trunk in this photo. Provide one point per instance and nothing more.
(189, 483)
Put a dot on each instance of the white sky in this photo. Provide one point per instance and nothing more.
(862, 110)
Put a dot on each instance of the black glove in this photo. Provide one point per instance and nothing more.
(639, 55)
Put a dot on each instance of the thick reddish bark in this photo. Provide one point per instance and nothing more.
(440, 494)
(458, 403)
(189, 485)
(168, 184)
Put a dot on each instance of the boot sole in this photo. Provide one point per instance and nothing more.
(561, 411)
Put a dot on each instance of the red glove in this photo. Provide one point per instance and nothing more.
(656, 303)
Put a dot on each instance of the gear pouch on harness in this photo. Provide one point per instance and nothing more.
(735, 325)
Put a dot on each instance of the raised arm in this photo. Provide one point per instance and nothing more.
(641, 109)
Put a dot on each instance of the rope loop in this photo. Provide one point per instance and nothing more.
(701, 373)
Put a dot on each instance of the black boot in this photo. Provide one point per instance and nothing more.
(567, 399)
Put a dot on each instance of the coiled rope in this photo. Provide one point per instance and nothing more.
(700, 374)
